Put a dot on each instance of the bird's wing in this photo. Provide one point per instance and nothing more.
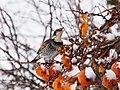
(36, 59)
(44, 44)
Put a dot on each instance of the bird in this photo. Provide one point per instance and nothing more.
(49, 48)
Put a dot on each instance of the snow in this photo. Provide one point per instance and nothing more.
(74, 60)
(66, 42)
(79, 57)
(89, 55)
(16, 65)
(42, 66)
(74, 71)
(109, 36)
(27, 88)
(75, 47)
(118, 65)
(109, 59)
(66, 53)
(5, 65)
(87, 61)
(93, 87)
(113, 54)
(97, 35)
(119, 85)
(110, 75)
(73, 86)
(89, 73)
(99, 60)
(80, 40)
(89, 49)
(114, 30)
(57, 67)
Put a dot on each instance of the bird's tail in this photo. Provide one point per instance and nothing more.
(36, 59)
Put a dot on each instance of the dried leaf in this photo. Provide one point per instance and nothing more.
(57, 84)
(115, 68)
(109, 84)
(67, 87)
(84, 16)
(42, 73)
(101, 69)
(83, 80)
(66, 60)
(84, 25)
(84, 28)
(53, 73)
(66, 47)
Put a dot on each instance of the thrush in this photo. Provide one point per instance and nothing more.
(49, 49)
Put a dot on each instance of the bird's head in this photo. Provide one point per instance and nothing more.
(57, 34)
